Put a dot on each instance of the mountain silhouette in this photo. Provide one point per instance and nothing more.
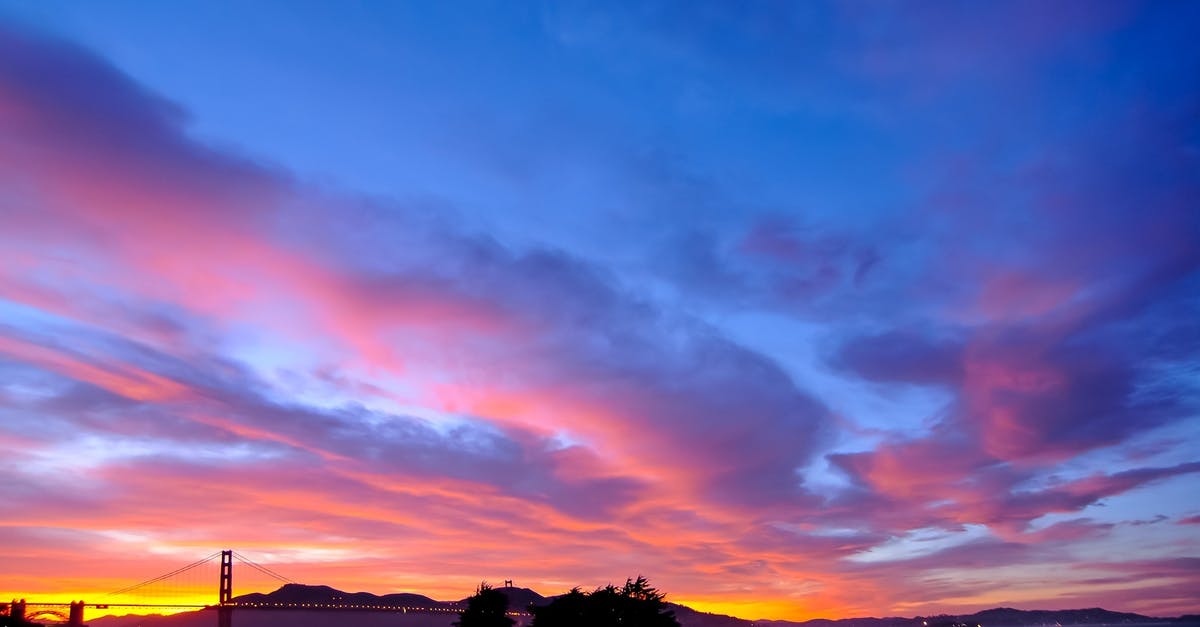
(300, 593)
(522, 598)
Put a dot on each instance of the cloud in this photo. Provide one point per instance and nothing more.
(154, 218)
(904, 356)
(360, 377)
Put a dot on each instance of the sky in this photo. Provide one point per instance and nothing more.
(800, 309)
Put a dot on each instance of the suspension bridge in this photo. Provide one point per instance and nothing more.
(162, 593)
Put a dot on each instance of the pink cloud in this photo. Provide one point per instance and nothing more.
(585, 432)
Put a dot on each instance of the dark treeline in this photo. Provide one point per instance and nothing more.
(636, 604)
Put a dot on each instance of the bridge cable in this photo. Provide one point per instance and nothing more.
(166, 576)
(265, 571)
(268, 572)
(262, 569)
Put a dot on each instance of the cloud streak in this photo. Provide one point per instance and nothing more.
(379, 394)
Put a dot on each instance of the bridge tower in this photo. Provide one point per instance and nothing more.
(225, 591)
(76, 616)
(16, 611)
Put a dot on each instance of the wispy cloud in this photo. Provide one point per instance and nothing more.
(189, 333)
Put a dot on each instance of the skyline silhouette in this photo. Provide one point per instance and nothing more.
(296, 604)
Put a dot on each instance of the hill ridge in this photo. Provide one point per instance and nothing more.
(521, 598)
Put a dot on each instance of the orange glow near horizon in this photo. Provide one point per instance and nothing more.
(836, 601)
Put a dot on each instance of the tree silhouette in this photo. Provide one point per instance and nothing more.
(568, 609)
(636, 604)
(488, 607)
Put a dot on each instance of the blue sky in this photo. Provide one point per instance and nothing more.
(829, 289)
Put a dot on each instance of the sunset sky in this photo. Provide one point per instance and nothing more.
(799, 309)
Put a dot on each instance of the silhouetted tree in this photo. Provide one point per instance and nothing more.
(488, 607)
(568, 609)
(636, 604)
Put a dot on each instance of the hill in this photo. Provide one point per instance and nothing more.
(522, 598)
(300, 593)
(995, 617)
